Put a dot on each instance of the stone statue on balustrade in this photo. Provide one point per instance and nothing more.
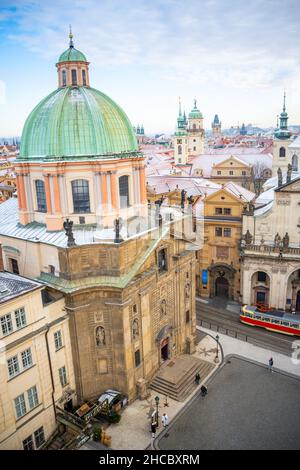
(68, 226)
(277, 240)
(286, 241)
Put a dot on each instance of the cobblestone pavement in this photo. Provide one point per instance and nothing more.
(247, 407)
(133, 431)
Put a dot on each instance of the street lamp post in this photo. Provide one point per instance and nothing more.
(157, 403)
(217, 355)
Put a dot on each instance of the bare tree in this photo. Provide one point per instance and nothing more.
(259, 174)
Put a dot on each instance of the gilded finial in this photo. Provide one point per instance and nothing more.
(284, 95)
(71, 37)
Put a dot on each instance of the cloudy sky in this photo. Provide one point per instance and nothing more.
(235, 56)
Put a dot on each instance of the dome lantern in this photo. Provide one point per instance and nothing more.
(72, 67)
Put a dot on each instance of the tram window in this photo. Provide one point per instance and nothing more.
(285, 323)
(294, 325)
(267, 319)
(258, 317)
(277, 322)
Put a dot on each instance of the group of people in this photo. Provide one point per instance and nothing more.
(154, 423)
(203, 388)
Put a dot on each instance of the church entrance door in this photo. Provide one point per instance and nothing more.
(222, 287)
(164, 349)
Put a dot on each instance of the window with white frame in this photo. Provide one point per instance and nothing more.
(33, 398)
(26, 358)
(58, 340)
(13, 366)
(39, 437)
(6, 324)
(20, 317)
(63, 376)
(28, 443)
(20, 406)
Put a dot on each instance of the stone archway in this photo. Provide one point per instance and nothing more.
(260, 288)
(293, 291)
(222, 280)
(222, 287)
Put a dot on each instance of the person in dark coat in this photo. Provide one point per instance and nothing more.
(153, 428)
(271, 362)
(203, 390)
(197, 378)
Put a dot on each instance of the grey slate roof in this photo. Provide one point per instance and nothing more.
(35, 232)
(13, 285)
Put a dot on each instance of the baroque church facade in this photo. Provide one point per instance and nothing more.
(270, 249)
(81, 227)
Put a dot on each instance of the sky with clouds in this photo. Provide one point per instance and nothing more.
(235, 56)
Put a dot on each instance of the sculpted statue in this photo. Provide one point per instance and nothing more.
(100, 336)
(277, 240)
(183, 194)
(248, 238)
(187, 290)
(289, 173)
(118, 226)
(286, 240)
(68, 226)
(163, 307)
(279, 173)
(135, 329)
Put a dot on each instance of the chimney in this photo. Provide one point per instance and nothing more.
(1, 259)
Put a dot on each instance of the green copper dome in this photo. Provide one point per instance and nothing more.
(76, 122)
(72, 55)
(195, 113)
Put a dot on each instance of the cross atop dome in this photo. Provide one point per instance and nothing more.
(71, 37)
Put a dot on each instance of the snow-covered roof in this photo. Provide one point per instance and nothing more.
(296, 143)
(238, 191)
(206, 161)
(273, 181)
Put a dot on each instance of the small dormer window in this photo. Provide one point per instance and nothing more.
(74, 77)
(64, 78)
(83, 78)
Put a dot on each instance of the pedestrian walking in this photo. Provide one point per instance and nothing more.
(197, 378)
(153, 429)
(203, 390)
(165, 422)
(271, 362)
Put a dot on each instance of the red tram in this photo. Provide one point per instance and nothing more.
(270, 319)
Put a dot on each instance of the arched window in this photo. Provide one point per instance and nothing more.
(74, 77)
(81, 196)
(40, 196)
(64, 78)
(124, 191)
(179, 150)
(194, 126)
(83, 78)
(295, 163)
(282, 152)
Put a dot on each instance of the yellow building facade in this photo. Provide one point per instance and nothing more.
(218, 262)
(36, 369)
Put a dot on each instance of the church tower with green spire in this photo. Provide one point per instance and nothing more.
(180, 139)
(282, 140)
(195, 131)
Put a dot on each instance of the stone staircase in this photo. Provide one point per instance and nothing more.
(176, 378)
